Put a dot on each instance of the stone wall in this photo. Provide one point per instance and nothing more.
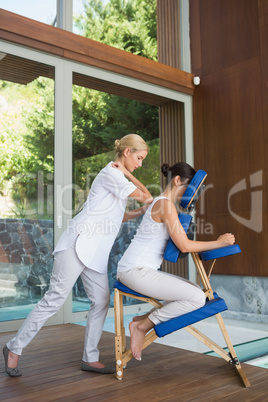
(26, 260)
(127, 232)
(246, 297)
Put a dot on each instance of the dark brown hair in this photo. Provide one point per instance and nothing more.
(182, 169)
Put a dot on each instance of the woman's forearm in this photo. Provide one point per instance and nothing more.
(141, 193)
(140, 186)
(193, 246)
(135, 213)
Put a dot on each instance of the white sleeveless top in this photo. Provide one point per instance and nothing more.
(148, 245)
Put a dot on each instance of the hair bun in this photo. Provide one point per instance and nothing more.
(117, 144)
(165, 168)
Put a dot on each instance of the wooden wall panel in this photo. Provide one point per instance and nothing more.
(171, 115)
(230, 125)
(168, 32)
(229, 34)
(263, 32)
(172, 150)
(171, 122)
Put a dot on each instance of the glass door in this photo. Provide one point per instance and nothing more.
(56, 134)
(26, 183)
(99, 118)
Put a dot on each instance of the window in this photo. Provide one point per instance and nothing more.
(26, 182)
(43, 11)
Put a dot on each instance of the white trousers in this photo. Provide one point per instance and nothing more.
(180, 295)
(67, 268)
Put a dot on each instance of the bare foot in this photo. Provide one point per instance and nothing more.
(138, 330)
(13, 360)
(140, 317)
(95, 364)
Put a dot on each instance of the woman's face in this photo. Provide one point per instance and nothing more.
(180, 187)
(133, 160)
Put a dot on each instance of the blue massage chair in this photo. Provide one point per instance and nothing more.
(214, 304)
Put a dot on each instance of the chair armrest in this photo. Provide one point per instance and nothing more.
(220, 252)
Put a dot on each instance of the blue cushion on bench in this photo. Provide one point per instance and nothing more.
(211, 308)
(220, 252)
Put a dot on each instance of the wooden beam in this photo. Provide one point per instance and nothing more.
(43, 37)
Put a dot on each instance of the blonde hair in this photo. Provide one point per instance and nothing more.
(132, 141)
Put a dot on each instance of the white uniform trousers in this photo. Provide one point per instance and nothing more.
(67, 268)
(180, 295)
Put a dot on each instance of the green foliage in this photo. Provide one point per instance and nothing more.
(26, 136)
(27, 112)
(126, 24)
(149, 174)
(39, 122)
(100, 118)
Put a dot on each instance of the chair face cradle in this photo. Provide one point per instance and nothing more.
(213, 307)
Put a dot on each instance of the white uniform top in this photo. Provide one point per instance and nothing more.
(148, 245)
(95, 228)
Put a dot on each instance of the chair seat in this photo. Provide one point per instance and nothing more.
(220, 252)
(118, 285)
(211, 308)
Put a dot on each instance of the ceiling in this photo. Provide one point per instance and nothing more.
(23, 71)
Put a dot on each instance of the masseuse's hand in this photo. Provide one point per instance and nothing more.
(226, 240)
(119, 166)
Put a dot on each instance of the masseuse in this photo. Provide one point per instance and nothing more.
(83, 250)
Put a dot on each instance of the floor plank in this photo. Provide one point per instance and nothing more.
(51, 372)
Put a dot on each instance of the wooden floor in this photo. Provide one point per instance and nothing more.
(51, 372)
